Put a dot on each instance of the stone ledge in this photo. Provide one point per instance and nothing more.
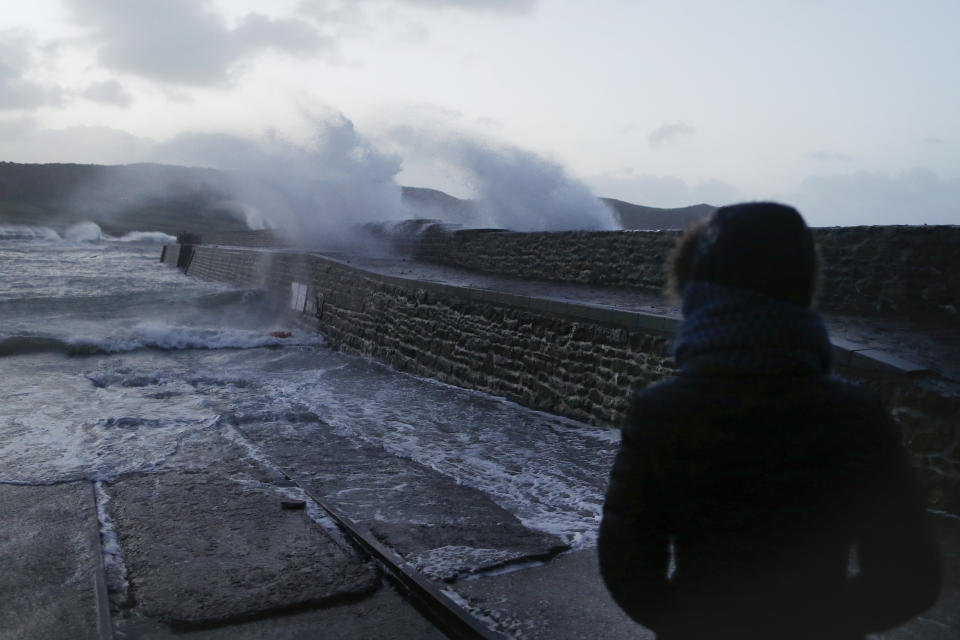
(856, 356)
(877, 360)
(845, 352)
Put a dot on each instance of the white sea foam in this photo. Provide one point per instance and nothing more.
(157, 335)
(170, 354)
(82, 232)
(156, 237)
(550, 472)
(57, 423)
(446, 563)
(118, 587)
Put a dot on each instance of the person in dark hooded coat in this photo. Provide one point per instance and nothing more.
(754, 495)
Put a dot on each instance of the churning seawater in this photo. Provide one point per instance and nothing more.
(111, 361)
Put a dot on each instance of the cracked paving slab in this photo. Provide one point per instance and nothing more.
(209, 542)
(441, 527)
(564, 599)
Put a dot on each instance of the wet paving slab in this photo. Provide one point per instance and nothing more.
(564, 599)
(51, 584)
(203, 549)
(440, 526)
(384, 615)
(211, 540)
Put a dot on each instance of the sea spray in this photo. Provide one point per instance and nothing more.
(512, 188)
(318, 193)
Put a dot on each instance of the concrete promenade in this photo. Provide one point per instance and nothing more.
(226, 541)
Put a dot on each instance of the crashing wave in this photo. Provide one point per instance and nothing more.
(25, 232)
(156, 336)
(84, 232)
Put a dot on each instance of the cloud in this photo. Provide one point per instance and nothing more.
(344, 10)
(830, 156)
(16, 90)
(183, 41)
(917, 196)
(661, 191)
(21, 140)
(291, 36)
(491, 6)
(397, 19)
(668, 133)
(934, 140)
(108, 92)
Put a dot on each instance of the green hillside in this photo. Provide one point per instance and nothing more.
(138, 197)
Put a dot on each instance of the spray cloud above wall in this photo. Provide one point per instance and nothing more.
(322, 189)
(317, 191)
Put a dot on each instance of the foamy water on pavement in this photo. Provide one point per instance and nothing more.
(112, 363)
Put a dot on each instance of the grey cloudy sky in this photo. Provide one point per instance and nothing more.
(846, 108)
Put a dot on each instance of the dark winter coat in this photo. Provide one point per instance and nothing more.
(762, 485)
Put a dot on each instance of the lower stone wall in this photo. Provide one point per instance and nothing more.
(577, 363)
(928, 410)
(574, 368)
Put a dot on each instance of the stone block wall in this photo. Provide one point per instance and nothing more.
(929, 412)
(927, 408)
(607, 258)
(898, 270)
(261, 238)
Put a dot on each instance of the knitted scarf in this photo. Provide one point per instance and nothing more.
(727, 330)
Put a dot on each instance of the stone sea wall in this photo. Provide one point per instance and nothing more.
(882, 270)
(571, 360)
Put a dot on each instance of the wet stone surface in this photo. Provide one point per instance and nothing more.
(204, 548)
(385, 615)
(564, 599)
(50, 554)
(440, 526)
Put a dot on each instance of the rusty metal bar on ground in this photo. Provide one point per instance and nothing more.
(449, 617)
